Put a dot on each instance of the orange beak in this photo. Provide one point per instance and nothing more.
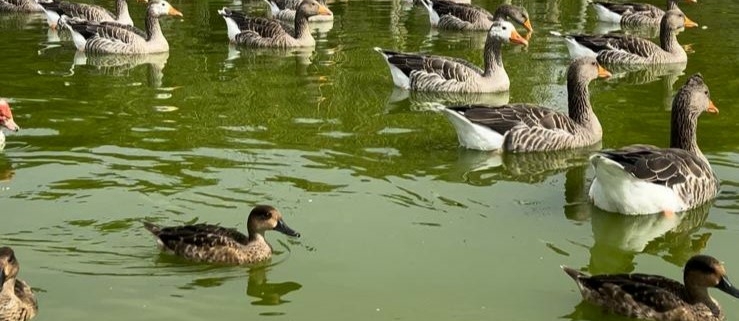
(174, 12)
(690, 23)
(324, 11)
(712, 109)
(516, 38)
(693, 1)
(603, 73)
(527, 25)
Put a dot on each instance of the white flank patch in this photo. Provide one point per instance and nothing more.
(273, 7)
(606, 15)
(577, 50)
(52, 18)
(399, 78)
(232, 28)
(471, 135)
(77, 38)
(615, 190)
(433, 15)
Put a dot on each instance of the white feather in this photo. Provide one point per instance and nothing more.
(606, 15)
(399, 78)
(433, 15)
(52, 18)
(471, 135)
(273, 7)
(231, 26)
(577, 50)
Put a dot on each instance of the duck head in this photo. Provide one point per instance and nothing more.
(8, 264)
(6, 117)
(163, 8)
(695, 96)
(313, 8)
(504, 30)
(675, 19)
(706, 271)
(265, 217)
(515, 13)
(586, 69)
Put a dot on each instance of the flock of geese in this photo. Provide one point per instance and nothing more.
(637, 179)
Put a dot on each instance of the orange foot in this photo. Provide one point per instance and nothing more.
(669, 214)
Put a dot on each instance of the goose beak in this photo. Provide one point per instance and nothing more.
(174, 12)
(712, 108)
(727, 287)
(516, 38)
(690, 23)
(324, 11)
(527, 25)
(284, 229)
(603, 72)
(10, 124)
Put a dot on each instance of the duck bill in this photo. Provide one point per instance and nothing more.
(516, 38)
(690, 23)
(324, 11)
(10, 124)
(712, 108)
(284, 229)
(726, 286)
(527, 25)
(603, 72)
(174, 12)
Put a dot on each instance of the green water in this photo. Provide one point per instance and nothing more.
(398, 223)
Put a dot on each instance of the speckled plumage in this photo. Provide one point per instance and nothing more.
(445, 14)
(54, 9)
(287, 10)
(17, 301)
(635, 14)
(654, 297)
(215, 244)
(20, 6)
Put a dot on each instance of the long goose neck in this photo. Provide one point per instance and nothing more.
(153, 29)
(683, 126)
(301, 24)
(578, 98)
(493, 57)
(668, 38)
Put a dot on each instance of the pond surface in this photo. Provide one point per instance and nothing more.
(398, 222)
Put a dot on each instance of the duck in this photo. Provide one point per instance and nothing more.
(270, 33)
(633, 14)
(6, 120)
(449, 15)
(215, 244)
(55, 9)
(645, 179)
(655, 297)
(24, 6)
(530, 128)
(115, 38)
(422, 72)
(17, 301)
(627, 49)
(285, 10)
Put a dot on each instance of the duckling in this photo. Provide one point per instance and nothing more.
(6, 120)
(654, 297)
(215, 244)
(17, 302)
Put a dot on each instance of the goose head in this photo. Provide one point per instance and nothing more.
(504, 31)
(695, 96)
(313, 8)
(6, 117)
(675, 19)
(8, 265)
(586, 69)
(703, 271)
(264, 217)
(163, 8)
(515, 13)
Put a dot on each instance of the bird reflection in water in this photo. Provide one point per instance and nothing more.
(267, 293)
(118, 65)
(402, 99)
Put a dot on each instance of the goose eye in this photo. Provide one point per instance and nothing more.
(592, 63)
(706, 92)
(504, 28)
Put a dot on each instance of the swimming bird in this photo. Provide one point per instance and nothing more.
(115, 38)
(17, 301)
(424, 72)
(215, 244)
(27, 6)
(55, 9)
(286, 10)
(645, 179)
(528, 128)
(627, 49)
(655, 297)
(632, 13)
(445, 14)
(6, 120)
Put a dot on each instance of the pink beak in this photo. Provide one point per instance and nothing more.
(10, 124)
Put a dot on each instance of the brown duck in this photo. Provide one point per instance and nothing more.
(17, 302)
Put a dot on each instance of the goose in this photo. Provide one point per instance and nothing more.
(215, 244)
(285, 10)
(115, 38)
(261, 32)
(631, 13)
(644, 179)
(445, 14)
(55, 9)
(655, 297)
(6, 120)
(437, 73)
(27, 6)
(17, 301)
(529, 128)
(626, 49)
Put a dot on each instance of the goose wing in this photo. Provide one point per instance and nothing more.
(628, 7)
(617, 42)
(466, 12)
(658, 293)
(79, 10)
(200, 235)
(504, 118)
(107, 30)
(265, 28)
(446, 67)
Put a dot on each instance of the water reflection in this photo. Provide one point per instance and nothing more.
(668, 74)
(258, 56)
(6, 171)
(19, 20)
(120, 65)
(421, 101)
(267, 293)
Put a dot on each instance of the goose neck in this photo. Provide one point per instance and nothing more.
(578, 99)
(684, 126)
(493, 57)
(301, 24)
(668, 38)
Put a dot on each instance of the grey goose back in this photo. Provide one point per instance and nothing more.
(216, 244)
(17, 301)
(445, 14)
(655, 297)
(115, 38)
(644, 179)
(632, 13)
(55, 9)
(271, 33)
(627, 49)
(6, 120)
(424, 72)
(286, 10)
(531, 128)
(27, 6)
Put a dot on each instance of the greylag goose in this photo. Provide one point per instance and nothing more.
(55, 9)
(115, 38)
(644, 179)
(445, 14)
(285, 10)
(655, 297)
(437, 73)
(261, 32)
(215, 244)
(20, 6)
(626, 49)
(529, 128)
(6, 120)
(631, 13)
(17, 301)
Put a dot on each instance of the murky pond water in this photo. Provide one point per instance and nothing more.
(398, 223)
